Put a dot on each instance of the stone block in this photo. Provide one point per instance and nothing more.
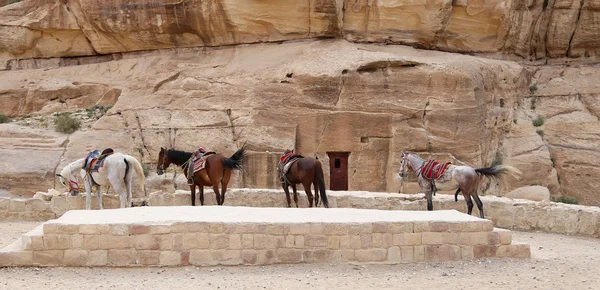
(106, 242)
(342, 255)
(366, 241)
(165, 242)
(442, 253)
(248, 241)
(466, 252)
(370, 255)
(419, 227)
(377, 240)
(187, 241)
(358, 229)
(235, 242)
(505, 236)
(333, 242)
(139, 229)
(432, 238)
(277, 229)
(419, 254)
(90, 242)
(97, 258)
(484, 251)
(89, 230)
(17, 205)
(387, 240)
(202, 258)
(50, 242)
(147, 242)
(380, 227)
(67, 229)
(219, 241)
(227, 257)
(407, 254)
(300, 229)
(63, 242)
(59, 204)
(317, 255)
(289, 241)
(4, 203)
(355, 242)
(189, 227)
(241, 228)
(493, 238)
(171, 258)
(394, 255)
(317, 229)
(266, 257)
(36, 205)
(75, 258)
(216, 228)
(407, 239)
(37, 243)
(160, 229)
(48, 257)
(121, 257)
(262, 241)
(148, 258)
(279, 241)
(316, 241)
(249, 257)
(119, 230)
(335, 229)
(515, 250)
(17, 258)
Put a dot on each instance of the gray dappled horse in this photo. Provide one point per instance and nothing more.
(461, 178)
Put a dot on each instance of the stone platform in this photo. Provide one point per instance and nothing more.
(211, 235)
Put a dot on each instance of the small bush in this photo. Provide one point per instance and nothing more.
(533, 101)
(4, 118)
(501, 103)
(566, 199)
(66, 124)
(538, 122)
(533, 88)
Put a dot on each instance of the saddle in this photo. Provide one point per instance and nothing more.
(95, 159)
(433, 169)
(285, 162)
(196, 164)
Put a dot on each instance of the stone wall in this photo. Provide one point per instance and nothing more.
(506, 213)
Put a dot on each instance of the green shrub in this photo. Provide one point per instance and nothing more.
(4, 118)
(566, 199)
(533, 88)
(66, 124)
(538, 122)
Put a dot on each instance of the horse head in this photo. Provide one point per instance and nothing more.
(163, 161)
(69, 181)
(403, 162)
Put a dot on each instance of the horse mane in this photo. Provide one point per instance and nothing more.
(177, 156)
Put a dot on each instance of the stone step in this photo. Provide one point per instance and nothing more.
(222, 235)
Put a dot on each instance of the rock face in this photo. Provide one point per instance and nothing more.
(40, 28)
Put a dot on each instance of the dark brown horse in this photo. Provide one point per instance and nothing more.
(307, 171)
(217, 170)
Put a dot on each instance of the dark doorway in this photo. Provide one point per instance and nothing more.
(338, 170)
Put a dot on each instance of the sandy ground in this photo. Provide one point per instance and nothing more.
(559, 262)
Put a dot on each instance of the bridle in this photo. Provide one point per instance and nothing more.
(71, 184)
(405, 163)
(163, 166)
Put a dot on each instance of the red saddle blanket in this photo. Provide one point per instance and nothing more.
(433, 169)
(199, 163)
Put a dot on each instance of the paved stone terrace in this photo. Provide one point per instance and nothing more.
(211, 235)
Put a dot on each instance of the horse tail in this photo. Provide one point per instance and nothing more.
(139, 171)
(498, 171)
(319, 176)
(236, 160)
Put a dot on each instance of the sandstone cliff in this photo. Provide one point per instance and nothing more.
(533, 28)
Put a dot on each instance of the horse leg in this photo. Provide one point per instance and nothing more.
(224, 182)
(428, 195)
(467, 196)
(479, 204)
(193, 191)
(99, 196)
(201, 193)
(88, 195)
(219, 196)
(295, 194)
(316, 186)
(287, 193)
(309, 194)
(128, 191)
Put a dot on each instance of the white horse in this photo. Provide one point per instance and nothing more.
(115, 171)
(459, 178)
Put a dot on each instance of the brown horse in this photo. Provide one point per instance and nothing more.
(307, 171)
(217, 170)
(461, 178)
